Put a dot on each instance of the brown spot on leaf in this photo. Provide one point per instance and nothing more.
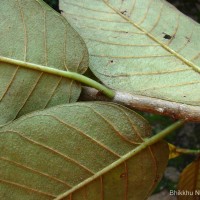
(123, 175)
(124, 12)
(188, 39)
(167, 36)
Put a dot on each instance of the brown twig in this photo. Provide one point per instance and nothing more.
(147, 104)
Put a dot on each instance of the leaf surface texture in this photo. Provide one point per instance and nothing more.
(144, 47)
(190, 181)
(47, 153)
(31, 31)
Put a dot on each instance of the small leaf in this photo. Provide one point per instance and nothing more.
(137, 47)
(74, 148)
(190, 181)
(31, 31)
(172, 151)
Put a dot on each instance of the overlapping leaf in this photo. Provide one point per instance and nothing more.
(47, 153)
(31, 31)
(190, 182)
(144, 47)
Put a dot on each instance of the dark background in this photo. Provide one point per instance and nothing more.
(53, 4)
(189, 7)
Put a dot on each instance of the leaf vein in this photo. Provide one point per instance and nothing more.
(111, 125)
(27, 188)
(132, 8)
(155, 167)
(129, 57)
(70, 91)
(31, 91)
(102, 188)
(197, 56)
(84, 134)
(132, 125)
(146, 14)
(187, 41)
(175, 31)
(25, 30)
(50, 149)
(171, 86)
(35, 171)
(120, 44)
(109, 30)
(146, 73)
(10, 83)
(158, 19)
(95, 19)
(53, 91)
(88, 9)
(126, 180)
(187, 62)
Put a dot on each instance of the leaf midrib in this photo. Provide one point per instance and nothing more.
(146, 144)
(177, 55)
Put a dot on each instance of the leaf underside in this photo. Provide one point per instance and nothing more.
(47, 153)
(31, 31)
(190, 181)
(144, 47)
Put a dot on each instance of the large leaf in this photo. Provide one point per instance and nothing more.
(190, 182)
(143, 47)
(74, 148)
(31, 31)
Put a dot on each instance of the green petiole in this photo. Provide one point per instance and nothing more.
(67, 74)
(188, 151)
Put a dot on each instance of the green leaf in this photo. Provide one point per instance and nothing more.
(144, 47)
(31, 31)
(84, 149)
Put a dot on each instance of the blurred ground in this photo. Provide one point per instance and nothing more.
(164, 195)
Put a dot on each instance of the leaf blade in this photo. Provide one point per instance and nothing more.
(129, 51)
(41, 36)
(189, 180)
(62, 147)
